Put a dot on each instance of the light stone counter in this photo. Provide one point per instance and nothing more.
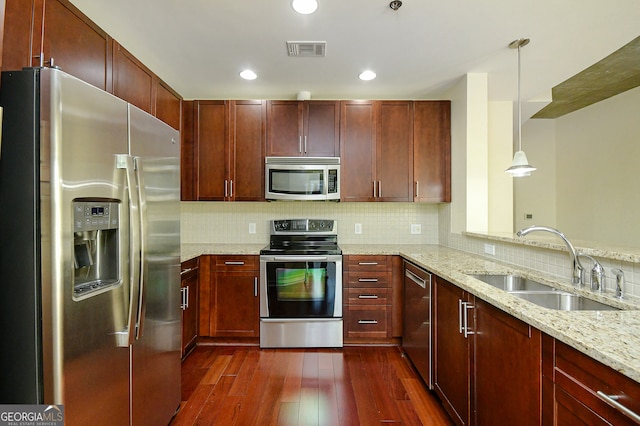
(611, 337)
(189, 251)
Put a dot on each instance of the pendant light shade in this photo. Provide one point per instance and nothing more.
(520, 165)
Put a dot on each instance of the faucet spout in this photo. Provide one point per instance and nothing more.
(577, 268)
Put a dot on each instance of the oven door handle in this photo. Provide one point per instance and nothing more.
(299, 258)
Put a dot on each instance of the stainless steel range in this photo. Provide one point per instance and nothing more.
(301, 285)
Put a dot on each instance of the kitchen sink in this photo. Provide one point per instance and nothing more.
(509, 282)
(562, 301)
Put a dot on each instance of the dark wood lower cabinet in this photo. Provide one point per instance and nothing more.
(487, 363)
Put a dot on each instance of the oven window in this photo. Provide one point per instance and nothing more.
(301, 289)
(283, 181)
(301, 284)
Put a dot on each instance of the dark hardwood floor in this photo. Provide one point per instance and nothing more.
(349, 386)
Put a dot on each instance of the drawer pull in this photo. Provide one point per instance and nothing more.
(234, 262)
(367, 296)
(367, 321)
(367, 263)
(612, 401)
(367, 280)
(184, 271)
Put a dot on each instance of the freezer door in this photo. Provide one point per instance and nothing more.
(155, 352)
(83, 133)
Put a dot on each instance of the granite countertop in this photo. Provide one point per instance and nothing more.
(610, 337)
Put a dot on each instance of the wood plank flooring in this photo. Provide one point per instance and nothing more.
(349, 386)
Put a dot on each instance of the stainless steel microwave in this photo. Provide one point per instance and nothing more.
(302, 178)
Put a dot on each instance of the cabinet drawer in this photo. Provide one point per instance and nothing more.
(365, 321)
(369, 263)
(236, 263)
(367, 296)
(583, 378)
(369, 279)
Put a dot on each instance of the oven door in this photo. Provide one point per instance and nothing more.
(301, 286)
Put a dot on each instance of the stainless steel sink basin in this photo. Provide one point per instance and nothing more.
(562, 301)
(512, 282)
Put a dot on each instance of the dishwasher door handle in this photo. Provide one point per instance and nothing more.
(416, 279)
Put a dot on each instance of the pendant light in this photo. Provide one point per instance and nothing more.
(520, 165)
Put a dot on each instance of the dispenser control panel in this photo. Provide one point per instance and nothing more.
(94, 215)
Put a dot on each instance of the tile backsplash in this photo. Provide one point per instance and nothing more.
(220, 222)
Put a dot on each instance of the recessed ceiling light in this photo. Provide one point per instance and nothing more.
(367, 75)
(304, 7)
(248, 75)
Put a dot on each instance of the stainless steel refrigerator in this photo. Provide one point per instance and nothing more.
(89, 253)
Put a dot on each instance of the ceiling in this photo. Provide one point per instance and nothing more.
(418, 52)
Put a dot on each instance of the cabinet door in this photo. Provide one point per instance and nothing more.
(394, 155)
(73, 42)
(508, 373)
(321, 129)
(17, 36)
(236, 310)
(247, 145)
(132, 81)
(168, 104)
(189, 288)
(432, 151)
(211, 135)
(284, 128)
(188, 164)
(452, 355)
(357, 150)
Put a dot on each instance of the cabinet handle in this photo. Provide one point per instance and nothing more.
(417, 189)
(612, 401)
(226, 193)
(367, 263)
(305, 144)
(231, 188)
(367, 280)
(367, 321)
(467, 306)
(183, 292)
(234, 262)
(255, 286)
(416, 279)
(367, 296)
(300, 144)
(379, 189)
(460, 316)
(184, 271)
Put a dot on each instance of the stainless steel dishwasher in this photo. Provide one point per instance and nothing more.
(416, 335)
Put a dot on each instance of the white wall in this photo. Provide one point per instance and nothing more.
(536, 194)
(500, 157)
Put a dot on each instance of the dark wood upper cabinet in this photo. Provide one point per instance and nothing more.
(247, 150)
(211, 133)
(168, 105)
(62, 36)
(394, 151)
(2, 6)
(303, 128)
(432, 151)
(357, 150)
(188, 153)
(132, 81)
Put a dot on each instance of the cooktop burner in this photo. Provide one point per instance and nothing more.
(303, 237)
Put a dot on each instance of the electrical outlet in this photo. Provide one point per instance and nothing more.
(358, 228)
(416, 228)
(528, 216)
(252, 228)
(490, 249)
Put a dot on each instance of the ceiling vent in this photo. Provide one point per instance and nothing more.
(307, 48)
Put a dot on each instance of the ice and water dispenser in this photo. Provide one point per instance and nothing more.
(96, 254)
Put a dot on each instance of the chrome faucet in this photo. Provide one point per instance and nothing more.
(597, 274)
(577, 268)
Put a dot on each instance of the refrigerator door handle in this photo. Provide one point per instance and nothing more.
(142, 214)
(127, 336)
